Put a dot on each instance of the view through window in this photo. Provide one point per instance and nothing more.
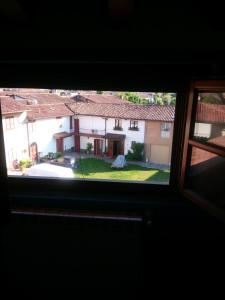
(104, 135)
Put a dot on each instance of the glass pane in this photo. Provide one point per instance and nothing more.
(207, 175)
(210, 118)
(87, 134)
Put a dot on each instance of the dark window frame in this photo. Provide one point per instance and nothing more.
(133, 126)
(118, 124)
(197, 87)
(90, 191)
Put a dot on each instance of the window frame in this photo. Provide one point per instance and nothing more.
(88, 77)
(11, 123)
(133, 127)
(196, 87)
(118, 124)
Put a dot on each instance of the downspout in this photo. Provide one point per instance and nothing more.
(105, 133)
(28, 139)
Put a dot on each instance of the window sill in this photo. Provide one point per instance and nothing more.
(118, 128)
(133, 128)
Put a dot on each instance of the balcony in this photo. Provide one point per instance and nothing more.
(92, 132)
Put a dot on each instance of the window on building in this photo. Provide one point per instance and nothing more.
(118, 124)
(203, 167)
(165, 130)
(10, 123)
(133, 125)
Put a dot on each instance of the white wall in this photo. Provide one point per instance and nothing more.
(131, 135)
(16, 145)
(87, 123)
(42, 131)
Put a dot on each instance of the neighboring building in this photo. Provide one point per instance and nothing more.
(15, 130)
(99, 99)
(210, 121)
(113, 128)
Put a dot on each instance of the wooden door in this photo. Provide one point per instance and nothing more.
(98, 145)
(59, 145)
(34, 152)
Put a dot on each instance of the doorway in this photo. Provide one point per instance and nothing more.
(98, 147)
(116, 148)
(34, 152)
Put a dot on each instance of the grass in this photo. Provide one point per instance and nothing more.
(99, 169)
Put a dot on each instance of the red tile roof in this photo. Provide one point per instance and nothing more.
(48, 111)
(210, 113)
(42, 98)
(8, 105)
(125, 111)
(100, 99)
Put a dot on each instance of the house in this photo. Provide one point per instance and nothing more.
(15, 130)
(210, 122)
(35, 130)
(112, 128)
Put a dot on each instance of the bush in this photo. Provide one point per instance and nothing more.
(25, 163)
(89, 147)
(137, 152)
(58, 155)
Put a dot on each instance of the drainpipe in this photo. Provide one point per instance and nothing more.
(28, 139)
(105, 133)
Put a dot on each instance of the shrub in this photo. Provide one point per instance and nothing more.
(137, 152)
(89, 147)
(58, 155)
(25, 163)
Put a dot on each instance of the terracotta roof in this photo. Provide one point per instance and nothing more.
(100, 98)
(220, 140)
(210, 113)
(42, 98)
(8, 105)
(48, 111)
(125, 111)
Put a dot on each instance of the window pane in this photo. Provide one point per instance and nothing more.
(206, 176)
(104, 135)
(210, 118)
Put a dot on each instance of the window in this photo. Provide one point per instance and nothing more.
(98, 148)
(118, 124)
(203, 168)
(165, 130)
(133, 125)
(9, 123)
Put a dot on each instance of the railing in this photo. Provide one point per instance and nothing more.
(92, 131)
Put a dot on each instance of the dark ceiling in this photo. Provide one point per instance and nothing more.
(159, 32)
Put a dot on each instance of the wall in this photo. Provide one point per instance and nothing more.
(16, 145)
(88, 123)
(153, 137)
(42, 131)
(131, 135)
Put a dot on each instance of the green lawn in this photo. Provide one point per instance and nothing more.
(99, 169)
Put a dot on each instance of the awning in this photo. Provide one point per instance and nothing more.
(115, 136)
(62, 135)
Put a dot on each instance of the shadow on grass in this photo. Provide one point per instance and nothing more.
(160, 176)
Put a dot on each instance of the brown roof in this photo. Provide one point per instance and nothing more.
(220, 140)
(100, 99)
(8, 105)
(42, 98)
(210, 113)
(125, 111)
(48, 111)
